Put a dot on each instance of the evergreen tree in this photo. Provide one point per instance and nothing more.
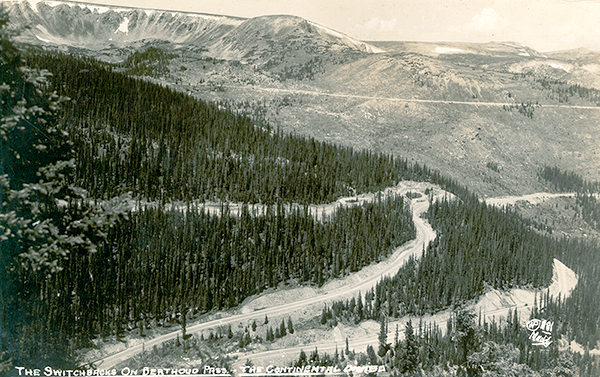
(383, 345)
(409, 353)
(372, 356)
(282, 330)
(45, 220)
(466, 336)
(302, 359)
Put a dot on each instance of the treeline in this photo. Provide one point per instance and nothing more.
(567, 181)
(151, 62)
(158, 265)
(132, 135)
(563, 91)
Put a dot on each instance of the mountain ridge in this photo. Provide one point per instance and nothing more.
(275, 62)
(95, 26)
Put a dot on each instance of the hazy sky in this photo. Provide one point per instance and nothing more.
(545, 25)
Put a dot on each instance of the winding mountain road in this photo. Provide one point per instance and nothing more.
(348, 287)
(424, 234)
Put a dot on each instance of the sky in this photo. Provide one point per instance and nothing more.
(545, 25)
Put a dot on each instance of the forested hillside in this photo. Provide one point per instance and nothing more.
(477, 246)
(198, 262)
(155, 266)
(127, 134)
(132, 135)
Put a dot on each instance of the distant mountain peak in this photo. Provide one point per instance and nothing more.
(93, 26)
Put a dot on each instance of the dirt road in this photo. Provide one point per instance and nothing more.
(412, 248)
(531, 198)
(348, 287)
(392, 99)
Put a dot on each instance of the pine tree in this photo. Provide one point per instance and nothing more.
(302, 359)
(282, 330)
(383, 345)
(466, 335)
(45, 220)
(409, 354)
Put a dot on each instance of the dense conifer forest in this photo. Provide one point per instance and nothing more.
(132, 135)
(477, 247)
(127, 271)
(159, 265)
(581, 310)
(566, 181)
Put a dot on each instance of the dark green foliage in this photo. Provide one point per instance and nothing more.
(406, 353)
(131, 135)
(524, 108)
(588, 207)
(282, 329)
(383, 344)
(211, 262)
(151, 62)
(499, 348)
(565, 181)
(466, 336)
(476, 246)
(371, 355)
(45, 220)
(302, 359)
(563, 91)
(580, 311)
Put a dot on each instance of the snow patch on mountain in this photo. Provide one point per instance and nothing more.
(33, 3)
(348, 40)
(447, 50)
(540, 66)
(124, 26)
(42, 39)
(565, 68)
